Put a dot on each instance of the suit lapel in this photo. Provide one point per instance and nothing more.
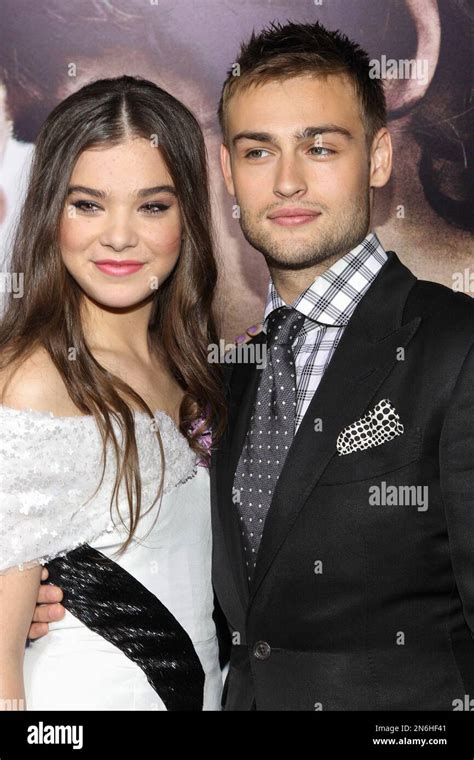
(364, 357)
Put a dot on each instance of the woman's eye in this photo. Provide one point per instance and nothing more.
(87, 206)
(252, 153)
(154, 208)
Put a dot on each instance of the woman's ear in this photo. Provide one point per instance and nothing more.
(381, 158)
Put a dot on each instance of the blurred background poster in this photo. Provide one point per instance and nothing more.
(49, 48)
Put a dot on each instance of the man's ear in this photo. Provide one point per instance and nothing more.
(227, 169)
(381, 158)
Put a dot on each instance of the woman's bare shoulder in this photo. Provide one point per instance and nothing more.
(36, 384)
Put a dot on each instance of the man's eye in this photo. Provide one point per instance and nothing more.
(328, 151)
(86, 206)
(252, 153)
(154, 208)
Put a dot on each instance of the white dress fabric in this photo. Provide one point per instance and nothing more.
(49, 469)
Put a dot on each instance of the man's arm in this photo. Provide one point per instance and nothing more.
(457, 482)
(47, 609)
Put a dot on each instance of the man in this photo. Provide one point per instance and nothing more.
(342, 492)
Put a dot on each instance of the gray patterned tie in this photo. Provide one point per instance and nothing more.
(270, 432)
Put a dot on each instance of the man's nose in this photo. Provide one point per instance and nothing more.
(289, 179)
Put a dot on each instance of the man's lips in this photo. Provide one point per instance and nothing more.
(289, 217)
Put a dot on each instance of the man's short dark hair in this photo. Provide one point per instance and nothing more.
(289, 50)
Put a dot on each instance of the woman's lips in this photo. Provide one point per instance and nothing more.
(293, 218)
(118, 269)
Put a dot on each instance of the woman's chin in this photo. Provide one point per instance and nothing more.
(122, 301)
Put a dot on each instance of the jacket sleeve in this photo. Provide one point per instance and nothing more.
(457, 482)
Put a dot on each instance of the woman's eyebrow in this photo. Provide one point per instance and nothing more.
(87, 190)
(156, 189)
(143, 193)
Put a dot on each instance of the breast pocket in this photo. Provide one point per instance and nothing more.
(377, 460)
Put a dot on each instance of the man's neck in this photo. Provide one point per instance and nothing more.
(290, 283)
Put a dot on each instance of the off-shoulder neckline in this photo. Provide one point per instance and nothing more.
(74, 417)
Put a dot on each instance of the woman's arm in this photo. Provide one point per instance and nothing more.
(18, 592)
(34, 384)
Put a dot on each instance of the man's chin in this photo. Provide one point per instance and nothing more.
(277, 246)
(276, 261)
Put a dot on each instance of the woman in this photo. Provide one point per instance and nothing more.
(105, 394)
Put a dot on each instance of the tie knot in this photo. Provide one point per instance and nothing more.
(284, 325)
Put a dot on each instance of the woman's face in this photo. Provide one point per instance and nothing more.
(120, 232)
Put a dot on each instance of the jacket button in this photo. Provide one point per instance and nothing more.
(262, 650)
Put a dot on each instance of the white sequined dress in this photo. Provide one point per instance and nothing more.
(138, 633)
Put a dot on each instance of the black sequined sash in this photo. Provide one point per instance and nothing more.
(114, 604)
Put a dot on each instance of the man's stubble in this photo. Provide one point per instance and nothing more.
(345, 232)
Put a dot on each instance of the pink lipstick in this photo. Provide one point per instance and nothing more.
(118, 268)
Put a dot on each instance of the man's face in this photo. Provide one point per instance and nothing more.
(298, 146)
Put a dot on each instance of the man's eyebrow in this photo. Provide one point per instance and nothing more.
(143, 193)
(300, 135)
(322, 130)
(257, 136)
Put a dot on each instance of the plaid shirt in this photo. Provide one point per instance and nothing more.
(328, 305)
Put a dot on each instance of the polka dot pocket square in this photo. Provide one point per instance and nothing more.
(378, 426)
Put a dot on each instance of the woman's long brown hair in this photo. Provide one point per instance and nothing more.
(107, 112)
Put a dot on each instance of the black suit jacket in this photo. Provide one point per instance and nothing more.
(354, 605)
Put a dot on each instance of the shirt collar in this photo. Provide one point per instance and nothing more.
(332, 296)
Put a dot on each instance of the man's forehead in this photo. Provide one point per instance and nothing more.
(259, 90)
(307, 102)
